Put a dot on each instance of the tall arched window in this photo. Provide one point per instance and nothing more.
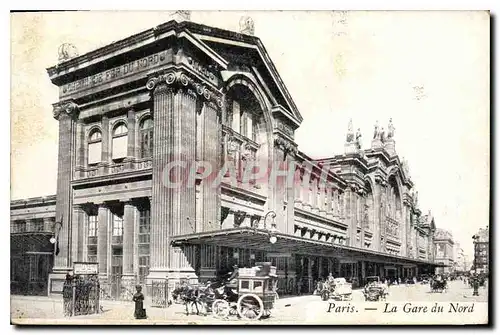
(241, 114)
(120, 136)
(146, 133)
(95, 147)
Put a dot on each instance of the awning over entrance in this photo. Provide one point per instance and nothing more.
(253, 238)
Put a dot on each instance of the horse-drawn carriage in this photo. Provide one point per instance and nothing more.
(252, 298)
(336, 289)
(438, 284)
(374, 289)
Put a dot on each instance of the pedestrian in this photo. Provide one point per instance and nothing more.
(68, 295)
(139, 312)
(475, 285)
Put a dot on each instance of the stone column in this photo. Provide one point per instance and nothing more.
(173, 203)
(314, 194)
(131, 145)
(329, 207)
(279, 183)
(322, 196)
(77, 234)
(162, 196)
(80, 148)
(210, 154)
(103, 218)
(361, 210)
(128, 278)
(66, 112)
(305, 191)
(105, 147)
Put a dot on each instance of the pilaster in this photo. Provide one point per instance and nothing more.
(211, 154)
(131, 142)
(66, 112)
(174, 96)
(103, 218)
(105, 148)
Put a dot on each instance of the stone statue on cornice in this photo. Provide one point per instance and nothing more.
(382, 135)
(390, 129)
(358, 138)
(376, 131)
(350, 132)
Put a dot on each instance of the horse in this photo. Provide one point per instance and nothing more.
(189, 295)
(438, 285)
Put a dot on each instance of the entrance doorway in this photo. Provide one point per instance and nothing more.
(116, 272)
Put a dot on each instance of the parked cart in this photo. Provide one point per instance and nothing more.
(253, 297)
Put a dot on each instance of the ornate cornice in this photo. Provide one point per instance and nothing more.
(68, 107)
(286, 145)
(180, 79)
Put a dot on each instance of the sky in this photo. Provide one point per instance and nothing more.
(428, 71)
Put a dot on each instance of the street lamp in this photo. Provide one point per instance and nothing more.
(272, 232)
(54, 240)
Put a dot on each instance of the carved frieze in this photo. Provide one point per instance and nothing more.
(69, 107)
(284, 128)
(180, 79)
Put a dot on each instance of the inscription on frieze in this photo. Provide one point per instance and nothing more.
(121, 71)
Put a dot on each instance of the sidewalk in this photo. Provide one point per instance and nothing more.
(49, 310)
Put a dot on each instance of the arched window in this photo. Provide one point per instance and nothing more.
(95, 147)
(120, 142)
(241, 115)
(146, 133)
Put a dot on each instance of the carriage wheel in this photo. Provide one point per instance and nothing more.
(325, 295)
(220, 308)
(250, 307)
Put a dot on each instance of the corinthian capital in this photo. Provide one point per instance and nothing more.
(68, 107)
(286, 145)
(182, 80)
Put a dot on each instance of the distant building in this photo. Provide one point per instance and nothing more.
(444, 246)
(31, 253)
(481, 250)
(460, 263)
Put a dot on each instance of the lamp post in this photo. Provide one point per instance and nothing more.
(272, 231)
(55, 239)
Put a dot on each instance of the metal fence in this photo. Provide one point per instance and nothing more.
(159, 293)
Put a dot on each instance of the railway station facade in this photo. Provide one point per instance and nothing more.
(182, 94)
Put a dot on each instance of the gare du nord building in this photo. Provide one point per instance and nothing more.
(188, 92)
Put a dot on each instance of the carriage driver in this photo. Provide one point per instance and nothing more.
(233, 276)
(330, 278)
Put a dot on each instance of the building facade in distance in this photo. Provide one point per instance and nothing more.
(444, 246)
(482, 250)
(31, 253)
(134, 116)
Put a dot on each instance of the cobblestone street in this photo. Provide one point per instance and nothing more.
(287, 310)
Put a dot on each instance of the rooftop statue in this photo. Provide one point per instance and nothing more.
(247, 25)
(382, 135)
(390, 129)
(350, 132)
(376, 131)
(358, 138)
(67, 51)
